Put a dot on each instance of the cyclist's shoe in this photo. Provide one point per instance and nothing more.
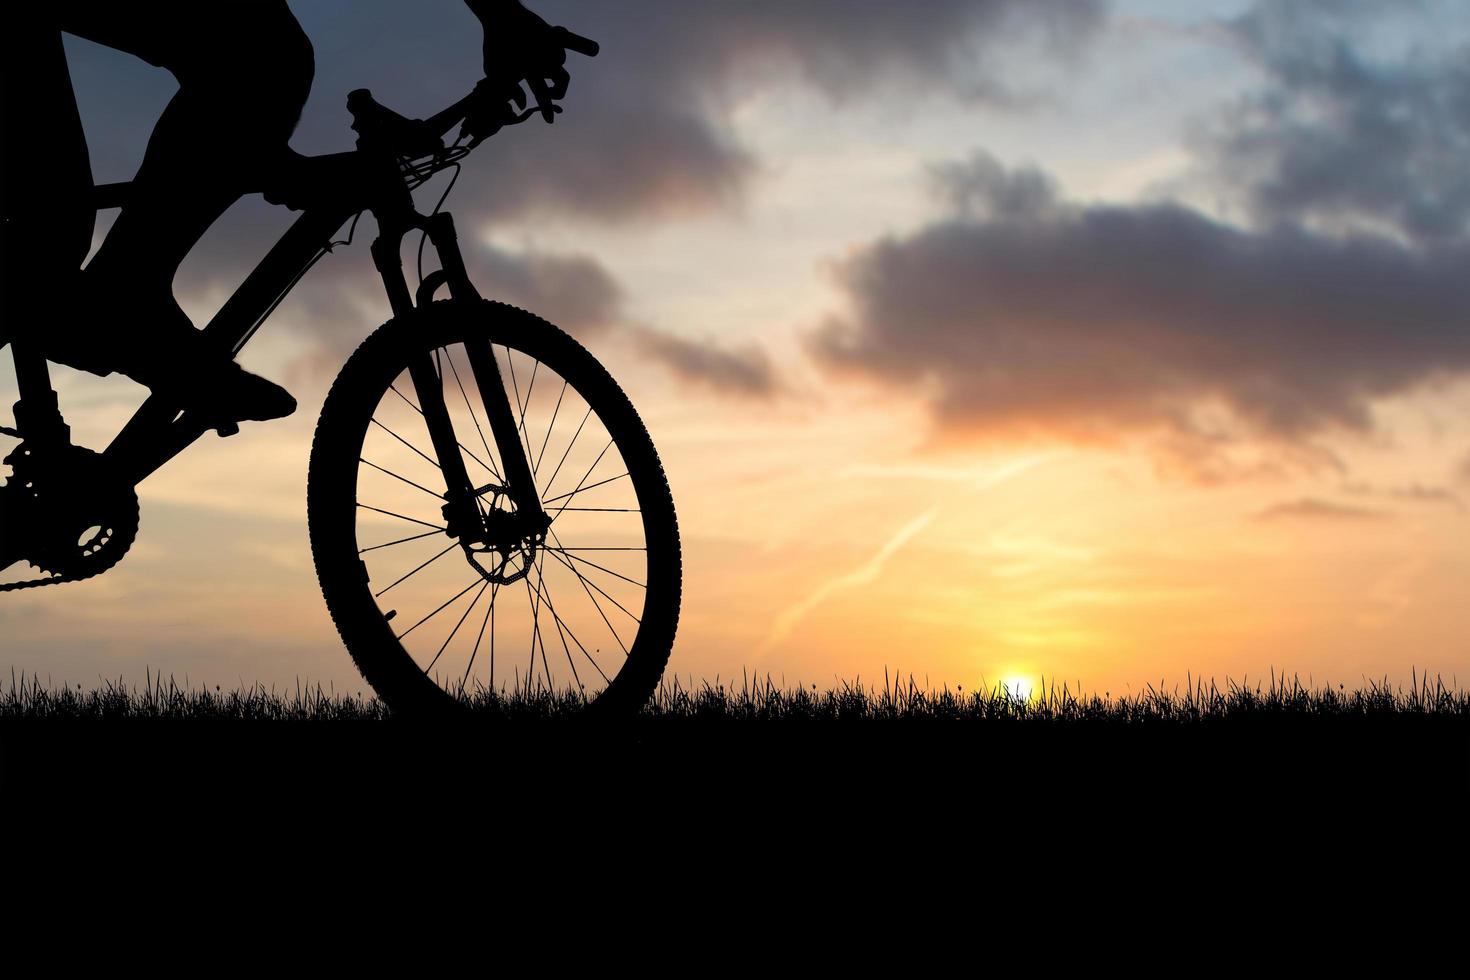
(168, 355)
(223, 392)
(187, 368)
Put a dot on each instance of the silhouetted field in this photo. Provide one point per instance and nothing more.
(893, 748)
(28, 699)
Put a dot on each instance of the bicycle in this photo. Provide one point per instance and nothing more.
(588, 577)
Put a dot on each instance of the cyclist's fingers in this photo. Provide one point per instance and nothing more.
(543, 97)
(559, 79)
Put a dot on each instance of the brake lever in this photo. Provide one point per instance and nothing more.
(511, 118)
(537, 110)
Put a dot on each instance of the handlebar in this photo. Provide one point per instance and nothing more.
(484, 112)
(577, 43)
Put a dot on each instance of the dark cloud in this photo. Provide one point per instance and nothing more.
(981, 187)
(649, 125)
(340, 308)
(572, 291)
(1320, 511)
(648, 128)
(1021, 314)
(1342, 139)
(1413, 493)
(1093, 323)
(742, 371)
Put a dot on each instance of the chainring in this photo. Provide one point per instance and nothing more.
(65, 512)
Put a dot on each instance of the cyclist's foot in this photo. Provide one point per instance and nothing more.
(182, 365)
(168, 355)
(221, 392)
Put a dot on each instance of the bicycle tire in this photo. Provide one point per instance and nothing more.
(334, 510)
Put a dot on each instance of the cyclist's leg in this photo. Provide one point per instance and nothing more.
(46, 214)
(244, 69)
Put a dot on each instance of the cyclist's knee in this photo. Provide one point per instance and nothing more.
(259, 66)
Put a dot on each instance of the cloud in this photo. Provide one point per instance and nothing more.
(574, 292)
(338, 305)
(1322, 511)
(981, 187)
(1412, 492)
(649, 123)
(650, 126)
(1228, 349)
(741, 371)
(1341, 139)
(1094, 324)
(649, 132)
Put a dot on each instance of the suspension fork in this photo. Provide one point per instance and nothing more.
(461, 508)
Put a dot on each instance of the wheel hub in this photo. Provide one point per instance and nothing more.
(502, 548)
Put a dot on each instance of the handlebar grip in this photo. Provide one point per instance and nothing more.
(577, 43)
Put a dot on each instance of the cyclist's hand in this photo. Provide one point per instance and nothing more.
(520, 46)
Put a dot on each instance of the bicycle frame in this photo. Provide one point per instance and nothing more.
(158, 432)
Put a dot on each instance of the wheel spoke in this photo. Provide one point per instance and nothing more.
(522, 406)
(579, 643)
(436, 612)
(571, 663)
(596, 566)
(489, 613)
(536, 467)
(452, 546)
(468, 609)
(405, 442)
(475, 419)
(598, 606)
(411, 520)
(573, 569)
(467, 451)
(599, 510)
(572, 496)
(568, 452)
(584, 489)
(436, 496)
(416, 537)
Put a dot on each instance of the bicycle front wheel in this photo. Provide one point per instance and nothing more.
(590, 607)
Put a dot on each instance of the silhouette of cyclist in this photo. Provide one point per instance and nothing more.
(244, 69)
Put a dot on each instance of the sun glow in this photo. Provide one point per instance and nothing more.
(1017, 688)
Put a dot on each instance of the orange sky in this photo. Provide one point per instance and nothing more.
(968, 523)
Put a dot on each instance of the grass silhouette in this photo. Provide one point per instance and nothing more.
(27, 698)
(738, 753)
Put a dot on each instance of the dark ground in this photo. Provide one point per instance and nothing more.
(886, 764)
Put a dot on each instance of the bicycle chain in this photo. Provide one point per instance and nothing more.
(36, 583)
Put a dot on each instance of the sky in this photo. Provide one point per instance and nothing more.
(1104, 342)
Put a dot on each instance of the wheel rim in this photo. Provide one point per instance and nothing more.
(535, 617)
